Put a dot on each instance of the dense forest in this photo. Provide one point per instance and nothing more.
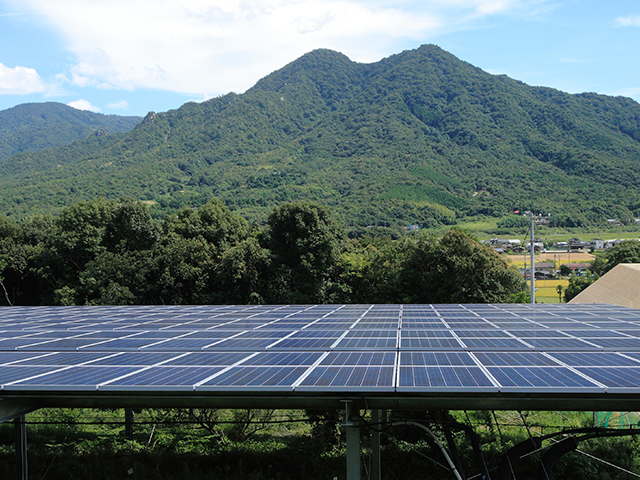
(35, 126)
(114, 253)
(417, 138)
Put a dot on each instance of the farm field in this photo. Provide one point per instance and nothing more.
(558, 257)
(546, 289)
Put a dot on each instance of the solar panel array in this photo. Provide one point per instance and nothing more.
(321, 348)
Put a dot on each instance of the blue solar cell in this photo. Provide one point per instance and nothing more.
(495, 344)
(174, 376)
(300, 359)
(505, 359)
(348, 378)
(536, 333)
(482, 333)
(253, 344)
(361, 359)
(366, 343)
(307, 333)
(9, 374)
(591, 359)
(617, 377)
(410, 325)
(305, 343)
(426, 334)
(372, 334)
(553, 344)
(539, 377)
(620, 343)
(443, 377)
(86, 377)
(470, 325)
(123, 359)
(376, 325)
(197, 358)
(13, 356)
(257, 377)
(65, 358)
(436, 359)
(430, 343)
(174, 345)
(58, 345)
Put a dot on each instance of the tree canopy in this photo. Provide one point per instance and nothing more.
(103, 252)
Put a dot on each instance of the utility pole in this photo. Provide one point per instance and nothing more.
(533, 268)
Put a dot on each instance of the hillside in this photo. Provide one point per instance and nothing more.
(419, 137)
(36, 126)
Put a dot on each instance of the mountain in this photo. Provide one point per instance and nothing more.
(36, 126)
(420, 137)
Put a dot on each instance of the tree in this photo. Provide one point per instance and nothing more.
(627, 251)
(559, 289)
(305, 244)
(131, 227)
(240, 273)
(577, 284)
(213, 222)
(456, 269)
(80, 230)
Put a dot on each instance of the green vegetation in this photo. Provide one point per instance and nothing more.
(114, 253)
(417, 138)
(286, 444)
(35, 126)
(627, 251)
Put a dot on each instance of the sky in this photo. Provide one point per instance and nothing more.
(130, 57)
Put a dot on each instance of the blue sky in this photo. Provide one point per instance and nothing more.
(129, 57)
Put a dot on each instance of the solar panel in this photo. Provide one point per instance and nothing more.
(341, 350)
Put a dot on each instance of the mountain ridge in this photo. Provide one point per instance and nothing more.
(36, 126)
(418, 137)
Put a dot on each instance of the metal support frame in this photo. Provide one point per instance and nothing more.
(353, 442)
(376, 420)
(22, 470)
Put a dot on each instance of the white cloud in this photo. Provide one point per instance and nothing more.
(209, 47)
(121, 105)
(20, 81)
(632, 21)
(83, 105)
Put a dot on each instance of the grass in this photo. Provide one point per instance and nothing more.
(168, 451)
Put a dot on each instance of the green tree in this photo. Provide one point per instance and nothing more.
(131, 227)
(305, 244)
(117, 278)
(213, 222)
(456, 268)
(183, 271)
(79, 232)
(241, 273)
(577, 284)
(627, 251)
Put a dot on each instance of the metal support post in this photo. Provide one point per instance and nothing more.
(353, 452)
(128, 423)
(353, 442)
(376, 470)
(21, 448)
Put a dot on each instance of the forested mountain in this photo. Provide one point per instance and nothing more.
(420, 137)
(36, 126)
